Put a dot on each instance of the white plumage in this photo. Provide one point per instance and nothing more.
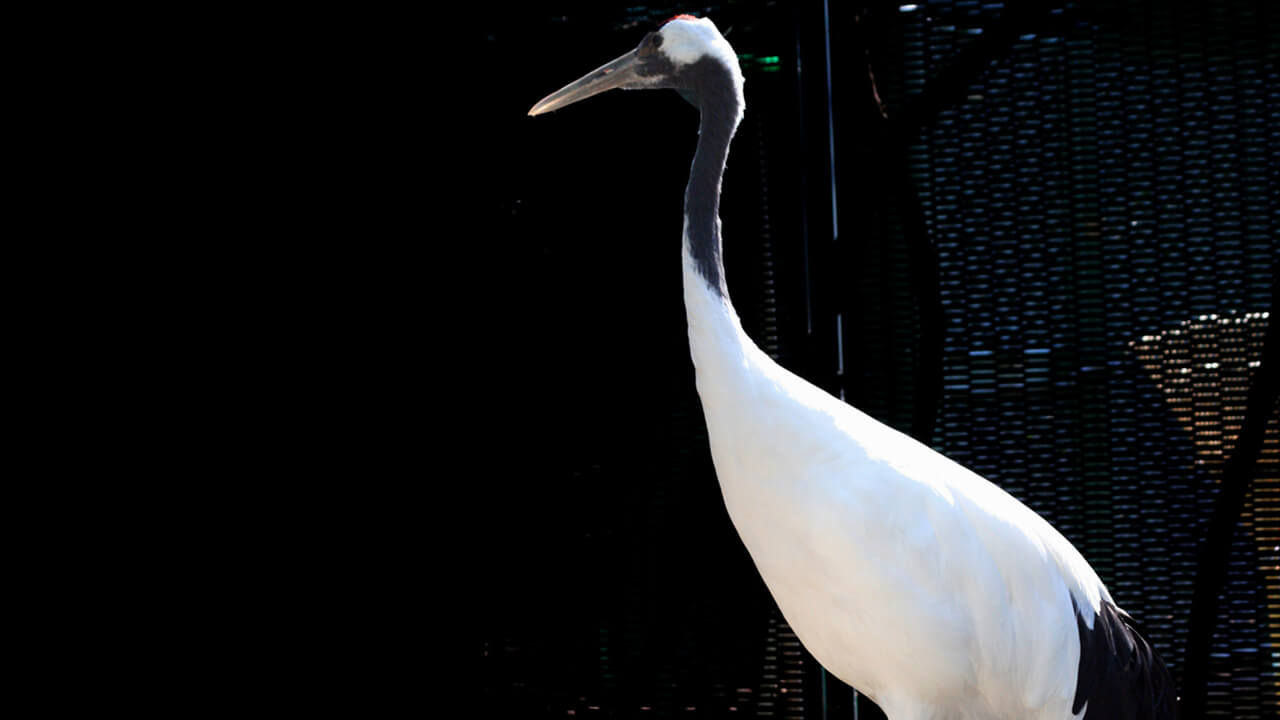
(905, 574)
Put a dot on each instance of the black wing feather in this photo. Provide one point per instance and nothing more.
(1121, 676)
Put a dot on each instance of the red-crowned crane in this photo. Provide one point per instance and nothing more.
(908, 576)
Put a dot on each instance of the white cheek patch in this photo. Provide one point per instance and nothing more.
(685, 41)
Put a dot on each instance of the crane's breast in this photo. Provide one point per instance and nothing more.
(850, 552)
(895, 567)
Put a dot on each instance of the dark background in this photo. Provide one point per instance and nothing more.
(1047, 250)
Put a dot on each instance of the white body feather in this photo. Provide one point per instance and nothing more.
(906, 575)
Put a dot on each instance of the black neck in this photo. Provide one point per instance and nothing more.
(713, 91)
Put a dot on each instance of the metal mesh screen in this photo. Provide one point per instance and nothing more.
(1104, 205)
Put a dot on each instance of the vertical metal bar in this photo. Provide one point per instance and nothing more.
(822, 687)
(831, 122)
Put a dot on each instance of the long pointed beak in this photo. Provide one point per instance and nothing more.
(613, 74)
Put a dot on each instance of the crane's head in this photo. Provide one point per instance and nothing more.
(668, 57)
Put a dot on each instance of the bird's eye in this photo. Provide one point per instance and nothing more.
(651, 42)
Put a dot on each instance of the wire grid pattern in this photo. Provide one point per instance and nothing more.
(1096, 188)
